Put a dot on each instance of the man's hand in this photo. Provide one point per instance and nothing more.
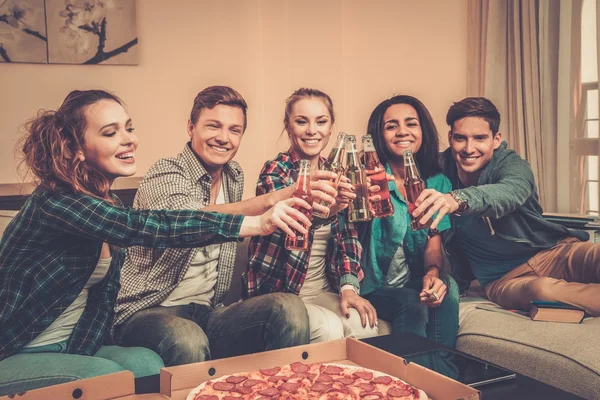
(282, 215)
(432, 201)
(434, 289)
(364, 307)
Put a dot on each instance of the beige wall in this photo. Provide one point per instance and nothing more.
(358, 51)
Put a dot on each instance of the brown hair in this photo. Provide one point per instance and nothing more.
(53, 141)
(303, 93)
(475, 107)
(215, 95)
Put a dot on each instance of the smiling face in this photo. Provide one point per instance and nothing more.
(109, 142)
(472, 144)
(216, 135)
(309, 127)
(401, 131)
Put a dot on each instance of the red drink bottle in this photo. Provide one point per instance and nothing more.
(300, 242)
(376, 171)
(414, 185)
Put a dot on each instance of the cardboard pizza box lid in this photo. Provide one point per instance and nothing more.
(111, 386)
(177, 382)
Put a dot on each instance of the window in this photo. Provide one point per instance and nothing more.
(589, 127)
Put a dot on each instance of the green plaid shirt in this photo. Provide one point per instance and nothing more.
(52, 246)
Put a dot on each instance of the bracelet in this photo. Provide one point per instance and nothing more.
(348, 286)
(434, 265)
(432, 232)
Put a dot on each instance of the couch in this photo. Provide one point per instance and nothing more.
(563, 355)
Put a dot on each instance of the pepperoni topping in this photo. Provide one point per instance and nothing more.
(299, 367)
(367, 376)
(324, 378)
(290, 387)
(206, 397)
(269, 392)
(270, 371)
(229, 398)
(346, 381)
(398, 392)
(367, 387)
(277, 378)
(332, 370)
(251, 382)
(242, 390)
(339, 390)
(371, 395)
(320, 387)
(223, 386)
(236, 379)
(300, 375)
(386, 380)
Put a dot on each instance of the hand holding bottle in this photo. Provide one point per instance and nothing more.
(323, 190)
(431, 201)
(283, 215)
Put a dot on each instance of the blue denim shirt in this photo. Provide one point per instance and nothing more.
(381, 237)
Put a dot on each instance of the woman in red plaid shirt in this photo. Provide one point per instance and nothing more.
(326, 276)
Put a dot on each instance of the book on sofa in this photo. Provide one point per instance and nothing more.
(555, 311)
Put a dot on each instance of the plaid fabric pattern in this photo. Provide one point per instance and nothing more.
(272, 268)
(150, 275)
(51, 247)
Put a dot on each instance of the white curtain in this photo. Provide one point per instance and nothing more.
(524, 55)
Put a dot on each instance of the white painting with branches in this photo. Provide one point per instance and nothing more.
(68, 31)
(23, 31)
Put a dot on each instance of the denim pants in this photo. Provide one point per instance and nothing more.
(49, 365)
(192, 333)
(403, 308)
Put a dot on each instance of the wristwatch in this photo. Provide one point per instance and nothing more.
(462, 202)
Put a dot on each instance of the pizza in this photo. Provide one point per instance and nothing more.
(307, 381)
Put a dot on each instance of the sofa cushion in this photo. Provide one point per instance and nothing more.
(560, 354)
(5, 217)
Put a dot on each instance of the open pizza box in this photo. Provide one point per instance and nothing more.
(177, 382)
(119, 385)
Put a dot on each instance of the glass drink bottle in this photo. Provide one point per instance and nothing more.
(358, 209)
(334, 163)
(376, 172)
(300, 242)
(414, 185)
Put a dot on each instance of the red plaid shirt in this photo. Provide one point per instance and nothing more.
(273, 268)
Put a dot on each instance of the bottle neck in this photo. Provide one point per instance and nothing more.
(352, 159)
(303, 180)
(410, 169)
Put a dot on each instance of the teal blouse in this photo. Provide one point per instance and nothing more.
(382, 237)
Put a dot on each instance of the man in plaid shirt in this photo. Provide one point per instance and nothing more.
(171, 299)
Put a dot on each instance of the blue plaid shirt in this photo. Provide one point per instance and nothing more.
(52, 246)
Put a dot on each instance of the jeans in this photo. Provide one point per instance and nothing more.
(42, 366)
(403, 308)
(193, 332)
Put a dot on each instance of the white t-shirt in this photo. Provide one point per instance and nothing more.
(398, 273)
(198, 283)
(316, 280)
(62, 327)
